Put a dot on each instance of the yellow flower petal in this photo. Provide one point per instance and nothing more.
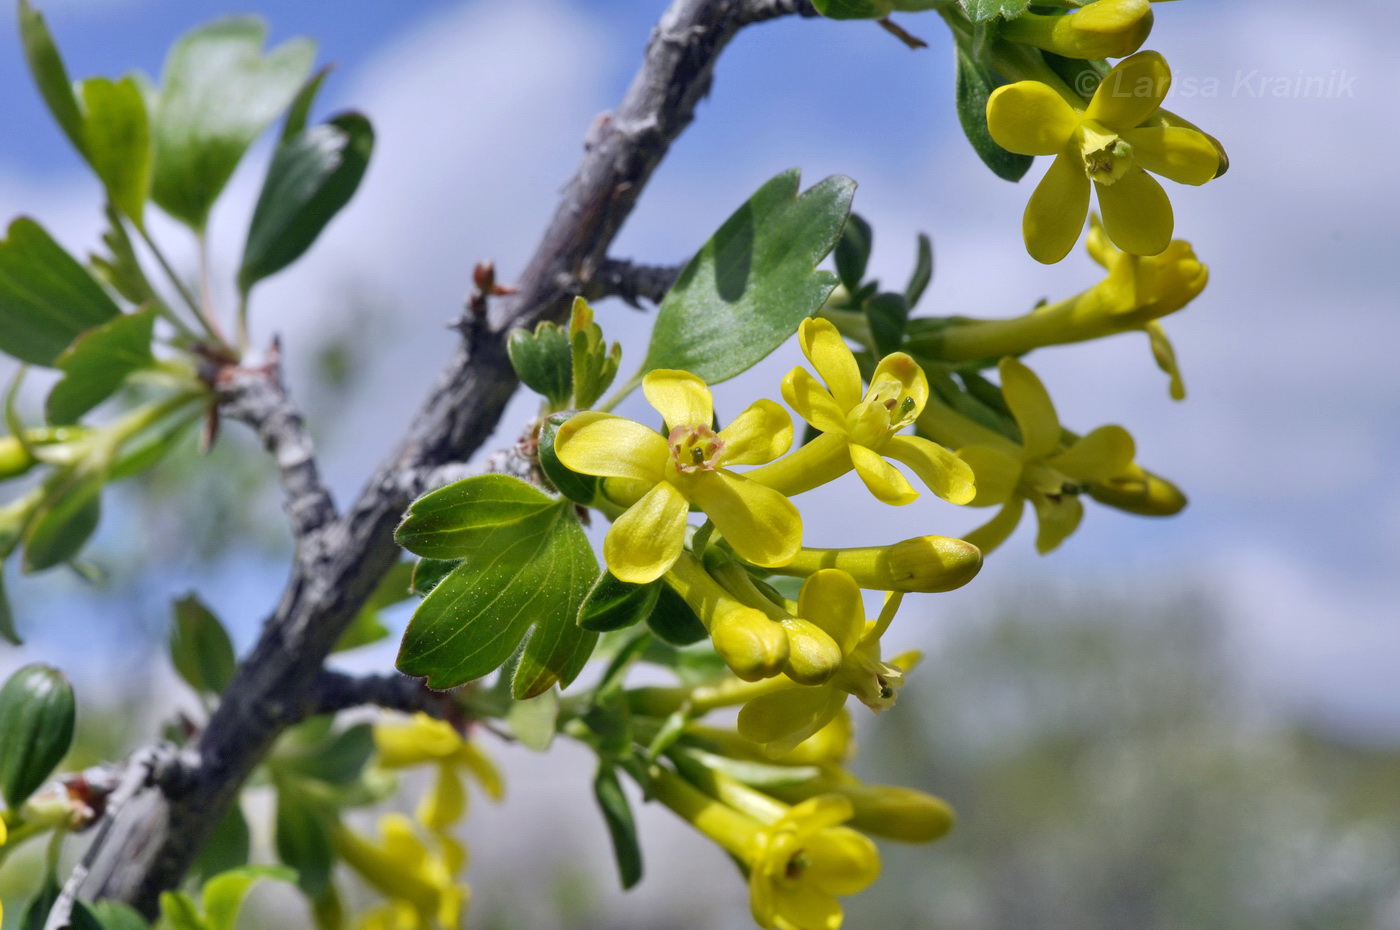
(1102, 454)
(681, 398)
(649, 537)
(762, 525)
(943, 472)
(832, 358)
(831, 599)
(1030, 405)
(1059, 517)
(445, 804)
(1100, 249)
(882, 478)
(1054, 215)
(997, 474)
(813, 402)
(841, 861)
(1183, 155)
(781, 719)
(1131, 92)
(996, 530)
(1165, 355)
(593, 443)
(804, 908)
(1137, 213)
(813, 656)
(902, 369)
(422, 739)
(482, 768)
(760, 434)
(1029, 118)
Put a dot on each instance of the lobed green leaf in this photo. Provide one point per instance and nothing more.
(99, 362)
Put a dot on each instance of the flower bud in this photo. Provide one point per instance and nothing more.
(15, 459)
(925, 564)
(36, 729)
(890, 811)
(1106, 29)
(813, 656)
(1139, 491)
(752, 645)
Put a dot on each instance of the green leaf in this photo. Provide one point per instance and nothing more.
(534, 722)
(180, 911)
(313, 174)
(579, 488)
(117, 135)
(46, 298)
(674, 620)
(613, 604)
(200, 647)
(46, 67)
(8, 632)
(544, 361)
(299, 113)
(923, 273)
(594, 364)
(981, 11)
(455, 521)
(119, 267)
(336, 759)
(527, 563)
(37, 913)
(228, 846)
(395, 587)
(428, 572)
(303, 839)
(974, 87)
(223, 895)
(218, 93)
(853, 252)
(888, 314)
(99, 362)
(36, 729)
(66, 517)
(751, 285)
(617, 813)
(114, 915)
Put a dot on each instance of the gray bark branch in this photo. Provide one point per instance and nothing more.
(631, 282)
(150, 843)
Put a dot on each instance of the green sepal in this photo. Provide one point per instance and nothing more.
(200, 647)
(582, 489)
(613, 604)
(37, 711)
(98, 363)
(544, 361)
(622, 828)
(974, 87)
(674, 620)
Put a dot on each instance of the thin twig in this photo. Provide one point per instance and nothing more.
(631, 282)
(335, 691)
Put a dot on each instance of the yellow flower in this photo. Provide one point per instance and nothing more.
(1105, 29)
(860, 431)
(1037, 469)
(687, 466)
(893, 812)
(787, 714)
(799, 859)
(424, 740)
(421, 884)
(1105, 144)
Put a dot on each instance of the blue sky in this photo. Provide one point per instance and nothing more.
(1286, 444)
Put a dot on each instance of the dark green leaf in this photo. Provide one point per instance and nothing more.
(428, 572)
(152, 446)
(114, 915)
(99, 362)
(544, 361)
(312, 175)
(580, 488)
(528, 564)
(119, 267)
(65, 518)
(117, 132)
(223, 894)
(37, 913)
(888, 314)
(674, 620)
(613, 604)
(36, 729)
(179, 910)
(756, 279)
(617, 812)
(395, 587)
(981, 11)
(8, 632)
(200, 647)
(853, 252)
(535, 721)
(454, 522)
(46, 298)
(336, 759)
(303, 840)
(299, 113)
(218, 93)
(975, 85)
(228, 847)
(923, 273)
(46, 67)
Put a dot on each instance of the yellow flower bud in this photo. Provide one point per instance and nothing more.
(15, 459)
(752, 645)
(925, 564)
(1106, 29)
(890, 811)
(1139, 491)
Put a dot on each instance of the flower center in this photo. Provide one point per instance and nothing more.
(1106, 157)
(796, 866)
(695, 448)
(899, 406)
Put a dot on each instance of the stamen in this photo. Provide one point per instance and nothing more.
(797, 865)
